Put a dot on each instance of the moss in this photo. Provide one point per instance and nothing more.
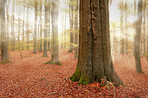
(83, 80)
(76, 75)
(54, 63)
(5, 61)
(70, 51)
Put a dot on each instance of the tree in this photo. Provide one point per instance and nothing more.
(94, 61)
(40, 50)
(55, 43)
(4, 43)
(71, 25)
(137, 38)
(46, 28)
(35, 29)
(121, 27)
(76, 28)
(12, 28)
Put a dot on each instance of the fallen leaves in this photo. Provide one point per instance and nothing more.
(30, 77)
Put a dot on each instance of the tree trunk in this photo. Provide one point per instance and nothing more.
(55, 50)
(137, 38)
(12, 29)
(35, 29)
(4, 44)
(40, 50)
(94, 61)
(121, 31)
(46, 29)
(71, 26)
(28, 32)
(76, 28)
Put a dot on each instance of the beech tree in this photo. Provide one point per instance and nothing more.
(137, 38)
(55, 42)
(95, 61)
(4, 42)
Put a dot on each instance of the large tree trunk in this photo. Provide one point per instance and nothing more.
(4, 44)
(55, 44)
(46, 29)
(94, 61)
(137, 38)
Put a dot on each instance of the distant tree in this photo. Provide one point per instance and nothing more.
(40, 50)
(121, 27)
(76, 29)
(35, 29)
(95, 61)
(4, 43)
(137, 38)
(55, 47)
(71, 11)
(28, 32)
(12, 28)
(46, 29)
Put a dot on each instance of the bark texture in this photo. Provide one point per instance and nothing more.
(46, 29)
(94, 61)
(55, 42)
(137, 38)
(4, 42)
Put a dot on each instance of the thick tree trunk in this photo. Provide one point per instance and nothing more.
(94, 61)
(137, 38)
(4, 44)
(55, 47)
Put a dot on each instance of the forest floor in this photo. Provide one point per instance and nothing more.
(30, 77)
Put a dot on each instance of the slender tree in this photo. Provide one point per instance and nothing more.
(121, 28)
(76, 28)
(46, 29)
(28, 32)
(12, 28)
(137, 38)
(94, 61)
(40, 50)
(71, 25)
(35, 29)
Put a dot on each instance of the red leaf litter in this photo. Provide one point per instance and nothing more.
(30, 77)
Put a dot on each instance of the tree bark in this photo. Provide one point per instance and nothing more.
(94, 61)
(55, 44)
(4, 43)
(71, 26)
(40, 50)
(35, 29)
(46, 29)
(137, 38)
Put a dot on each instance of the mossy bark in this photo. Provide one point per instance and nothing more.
(95, 61)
